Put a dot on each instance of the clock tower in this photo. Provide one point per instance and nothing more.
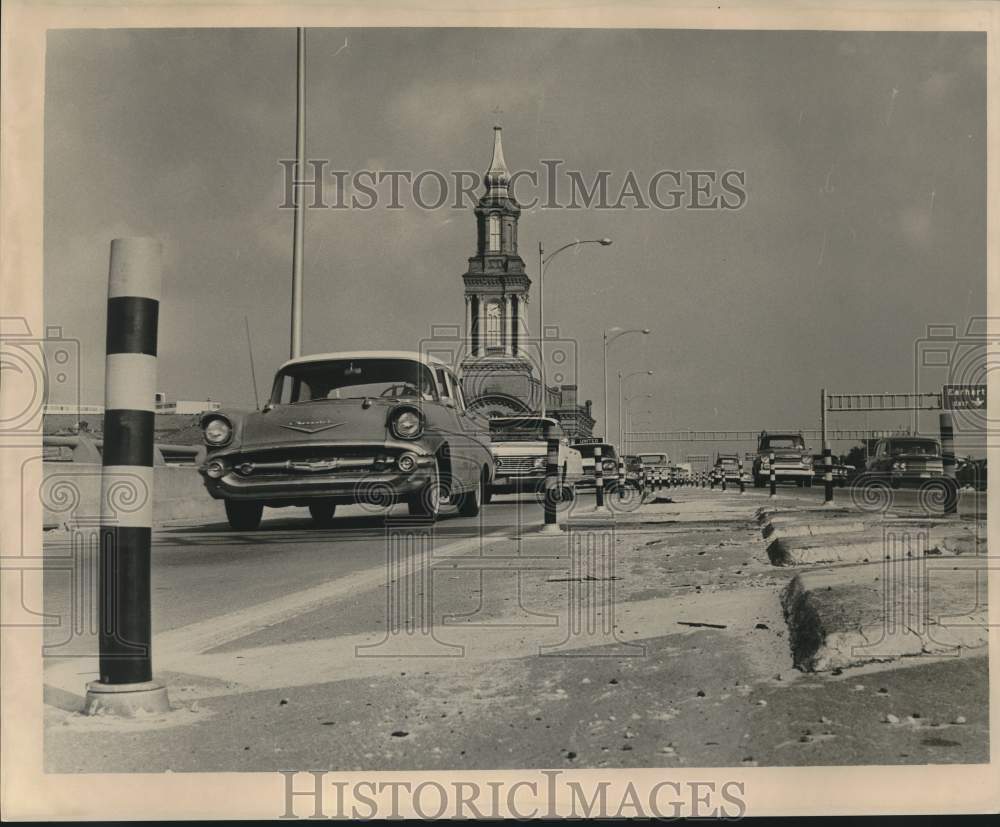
(496, 285)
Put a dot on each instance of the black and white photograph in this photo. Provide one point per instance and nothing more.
(497, 415)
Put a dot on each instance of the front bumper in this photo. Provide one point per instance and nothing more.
(515, 483)
(799, 472)
(356, 483)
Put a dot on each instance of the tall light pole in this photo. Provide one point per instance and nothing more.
(618, 332)
(543, 260)
(621, 381)
(298, 229)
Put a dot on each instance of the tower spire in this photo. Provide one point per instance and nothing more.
(497, 176)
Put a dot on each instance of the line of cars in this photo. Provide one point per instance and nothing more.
(387, 427)
(380, 428)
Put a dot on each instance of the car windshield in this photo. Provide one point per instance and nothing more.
(926, 447)
(782, 442)
(517, 430)
(354, 379)
(654, 459)
(587, 450)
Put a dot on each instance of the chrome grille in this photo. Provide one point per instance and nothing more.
(515, 464)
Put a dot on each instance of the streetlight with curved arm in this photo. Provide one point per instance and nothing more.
(621, 381)
(543, 260)
(618, 333)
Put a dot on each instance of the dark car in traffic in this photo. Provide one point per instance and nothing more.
(371, 427)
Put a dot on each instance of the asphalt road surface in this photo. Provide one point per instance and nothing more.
(260, 636)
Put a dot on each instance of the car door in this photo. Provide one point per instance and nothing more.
(470, 444)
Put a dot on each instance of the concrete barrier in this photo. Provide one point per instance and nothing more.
(862, 614)
(72, 491)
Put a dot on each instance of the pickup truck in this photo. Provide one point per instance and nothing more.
(793, 462)
(609, 464)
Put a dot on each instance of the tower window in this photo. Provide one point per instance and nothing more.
(494, 234)
(493, 325)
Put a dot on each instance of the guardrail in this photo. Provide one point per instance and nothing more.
(85, 448)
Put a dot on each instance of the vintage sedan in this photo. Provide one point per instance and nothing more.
(370, 427)
(520, 451)
(899, 460)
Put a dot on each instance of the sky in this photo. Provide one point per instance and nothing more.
(864, 222)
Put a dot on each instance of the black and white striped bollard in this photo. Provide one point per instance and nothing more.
(739, 470)
(598, 476)
(773, 478)
(827, 475)
(949, 462)
(722, 471)
(621, 478)
(126, 684)
(551, 526)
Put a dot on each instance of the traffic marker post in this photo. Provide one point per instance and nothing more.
(739, 469)
(771, 475)
(949, 462)
(722, 473)
(598, 477)
(827, 475)
(827, 453)
(551, 525)
(126, 686)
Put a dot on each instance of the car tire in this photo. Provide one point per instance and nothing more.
(426, 503)
(487, 495)
(244, 516)
(470, 503)
(322, 513)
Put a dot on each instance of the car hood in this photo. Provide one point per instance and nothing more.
(332, 420)
(519, 449)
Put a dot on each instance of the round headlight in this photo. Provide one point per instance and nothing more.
(215, 469)
(218, 431)
(407, 462)
(539, 462)
(408, 425)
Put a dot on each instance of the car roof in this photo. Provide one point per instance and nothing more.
(423, 358)
(525, 418)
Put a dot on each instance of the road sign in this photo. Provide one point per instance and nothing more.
(589, 440)
(963, 397)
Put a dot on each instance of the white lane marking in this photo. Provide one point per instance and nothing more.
(222, 629)
(334, 659)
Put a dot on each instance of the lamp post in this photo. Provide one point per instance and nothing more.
(628, 414)
(621, 381)
(543, 260)
(618, 332)
(298, 228)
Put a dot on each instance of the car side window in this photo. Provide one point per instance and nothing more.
(443, 387)
(456, 391)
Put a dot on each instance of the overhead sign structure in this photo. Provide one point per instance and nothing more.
(873, 402)
(963, 397)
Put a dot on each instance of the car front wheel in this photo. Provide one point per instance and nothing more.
(426, 503)
(470, 502)
(243, 516)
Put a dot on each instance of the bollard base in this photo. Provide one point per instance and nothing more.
(126, 700)
(828, 503)
(550, 528)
